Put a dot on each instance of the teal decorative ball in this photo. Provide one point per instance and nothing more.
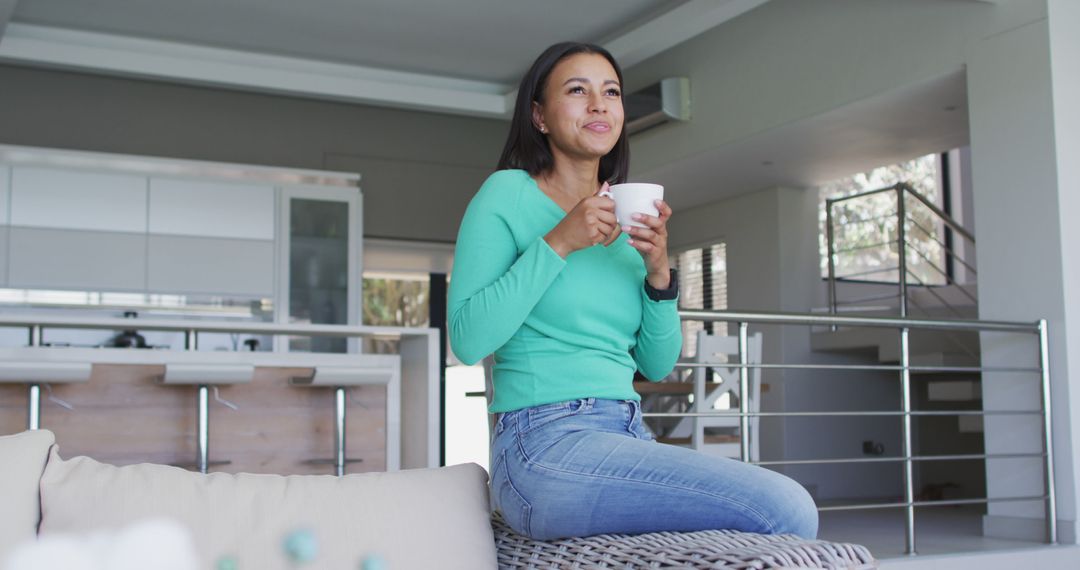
(373, 562)
(301, 546)
(227, 563)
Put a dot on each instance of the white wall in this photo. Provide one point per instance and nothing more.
(772, 265)
(1024, 212)
(1064, 23)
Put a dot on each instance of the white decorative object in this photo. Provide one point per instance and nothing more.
(161, 544)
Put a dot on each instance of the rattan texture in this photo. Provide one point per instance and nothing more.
(699, 549)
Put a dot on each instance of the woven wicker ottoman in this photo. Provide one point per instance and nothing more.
(701, 549)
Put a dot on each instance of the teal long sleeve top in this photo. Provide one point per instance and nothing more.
(560, 329)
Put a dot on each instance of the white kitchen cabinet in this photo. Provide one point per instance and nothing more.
(211, 209)
(5, 194)
(179, 264)
(78, 200)
(209, 234)
(4, 230)
(42, 258)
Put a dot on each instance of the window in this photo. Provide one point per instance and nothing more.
(865, 229)
(397, 300)
(702, 285)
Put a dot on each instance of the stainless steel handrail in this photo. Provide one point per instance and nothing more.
(908, 456)
(883, 413)
(955, 457)
(953, 224)
(867, 220)
(862, 247)
(774, 318)
(199, 326)
(866, 272)
(947, 249)
(942, 503)
(936, 295)
(908, 188)
(901, 190)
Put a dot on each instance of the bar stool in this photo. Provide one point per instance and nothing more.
(204, 376)
(340, 378)
(34, 374)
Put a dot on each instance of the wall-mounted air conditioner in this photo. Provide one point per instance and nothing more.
(668, 100)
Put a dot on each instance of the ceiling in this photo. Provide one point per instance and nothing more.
(918, 119)
(460, 57)
(454, 39)
(464, 57)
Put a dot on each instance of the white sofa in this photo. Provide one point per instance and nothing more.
(424, 518)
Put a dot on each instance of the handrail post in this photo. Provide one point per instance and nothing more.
(831, 250)
(909, 481)
(744, 394)
(339, 431)
(1048, 434)
(901, 240)
(33, 396)
(191, 343)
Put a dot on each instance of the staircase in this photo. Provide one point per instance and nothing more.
(935, 254)
(918, 240)
(916, 260)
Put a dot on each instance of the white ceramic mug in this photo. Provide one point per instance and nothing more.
(634, 198)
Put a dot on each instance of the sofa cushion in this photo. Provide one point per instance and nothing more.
(23, 458)
(424, 518)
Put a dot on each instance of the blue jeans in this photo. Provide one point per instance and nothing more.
(590, 466)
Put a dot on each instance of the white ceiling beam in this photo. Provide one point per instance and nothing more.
(675, 27)
(188, 63)
(127, 56)
(7, 8)
(667, 31)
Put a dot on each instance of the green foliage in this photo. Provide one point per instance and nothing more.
(397, 303)
(865, 229)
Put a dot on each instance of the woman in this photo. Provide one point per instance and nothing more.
(571, 304)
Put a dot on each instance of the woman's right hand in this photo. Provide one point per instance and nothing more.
(591, 222)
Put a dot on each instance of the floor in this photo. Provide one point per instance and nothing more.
(938, 530)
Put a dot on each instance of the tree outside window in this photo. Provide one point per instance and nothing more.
(866, 232)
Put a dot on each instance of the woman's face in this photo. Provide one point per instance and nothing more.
(582, 112)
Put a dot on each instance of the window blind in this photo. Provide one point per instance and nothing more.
(702, 285)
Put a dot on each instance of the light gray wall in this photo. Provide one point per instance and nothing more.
(789, 60)
(1025, 210)
(772, 265)
(422, 168)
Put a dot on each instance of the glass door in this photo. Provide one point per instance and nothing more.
(320, 264)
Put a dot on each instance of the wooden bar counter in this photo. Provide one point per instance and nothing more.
(123, 414)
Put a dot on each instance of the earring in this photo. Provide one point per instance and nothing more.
(543, 130)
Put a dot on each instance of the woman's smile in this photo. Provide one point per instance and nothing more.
(581, 112)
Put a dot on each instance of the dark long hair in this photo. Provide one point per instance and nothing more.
(526, 148)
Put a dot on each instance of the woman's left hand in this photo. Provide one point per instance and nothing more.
(651, 243)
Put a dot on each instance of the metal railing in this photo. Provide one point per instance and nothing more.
(903, 245)
(908, 456)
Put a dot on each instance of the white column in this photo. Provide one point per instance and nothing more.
(1064, 22)
(1026, 236)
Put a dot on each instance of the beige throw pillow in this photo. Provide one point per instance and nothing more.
(424, 518)
(22, 460)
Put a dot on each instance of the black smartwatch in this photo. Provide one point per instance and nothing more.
(672, 291)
